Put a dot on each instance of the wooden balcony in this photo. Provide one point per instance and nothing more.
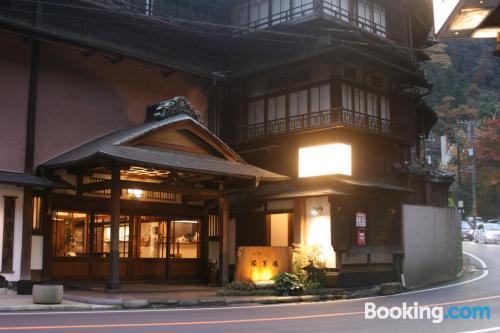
(338, 117)
(328, 10)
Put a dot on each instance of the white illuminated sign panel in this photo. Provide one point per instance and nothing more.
(324, 160)
(442, 11)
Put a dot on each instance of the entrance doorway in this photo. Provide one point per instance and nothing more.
(151, 248)
(279, 229)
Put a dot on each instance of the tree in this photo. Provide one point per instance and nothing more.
(488, 163)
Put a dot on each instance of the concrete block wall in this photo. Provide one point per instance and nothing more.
(432, 245)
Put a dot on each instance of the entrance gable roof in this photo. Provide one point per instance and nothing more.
(200, 152)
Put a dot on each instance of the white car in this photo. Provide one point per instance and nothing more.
(487, 233)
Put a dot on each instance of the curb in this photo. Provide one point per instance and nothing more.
(97, 303)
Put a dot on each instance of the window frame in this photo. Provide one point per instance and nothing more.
(54, 230)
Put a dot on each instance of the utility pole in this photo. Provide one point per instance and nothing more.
(471, 126)
(459, 170)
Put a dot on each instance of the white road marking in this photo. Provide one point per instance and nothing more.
(492, 329)
(483, 275)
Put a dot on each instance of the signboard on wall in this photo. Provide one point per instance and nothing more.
(330, 159)
(360, 237)
(360, 220)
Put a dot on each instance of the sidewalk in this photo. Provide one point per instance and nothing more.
(135, 296)
(10, 302)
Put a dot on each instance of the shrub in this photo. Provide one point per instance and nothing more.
(288, 284)
(308, 267)
(241, 285)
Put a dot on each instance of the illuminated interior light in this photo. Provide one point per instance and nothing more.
(324, 160)
(486, 32)
(469, 18)
(135, 193)
(317, 211)
(442, 11)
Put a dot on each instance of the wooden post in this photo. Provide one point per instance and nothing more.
(114, 259)
(224, 240)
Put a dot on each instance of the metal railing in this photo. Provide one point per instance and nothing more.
(315, 120)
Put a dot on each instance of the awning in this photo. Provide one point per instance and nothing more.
(296, 189)
(305, 193)
(22, 179)
(374, 185)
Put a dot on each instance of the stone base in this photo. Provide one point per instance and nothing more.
(48, 293)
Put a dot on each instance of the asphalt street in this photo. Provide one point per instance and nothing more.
(480, 288)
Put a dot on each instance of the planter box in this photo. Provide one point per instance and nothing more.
(47, 293)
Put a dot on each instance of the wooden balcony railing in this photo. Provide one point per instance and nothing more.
(326, 8)
(338, 117)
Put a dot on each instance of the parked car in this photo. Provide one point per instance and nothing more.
(497, 221)
(487, 233)
(467, 231)
(479, 219)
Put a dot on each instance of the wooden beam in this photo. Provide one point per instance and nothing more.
(224, 239)
(93, 187)
(114, 258)
(31, 114)
(154, 187)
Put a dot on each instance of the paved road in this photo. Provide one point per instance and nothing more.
(339, 316)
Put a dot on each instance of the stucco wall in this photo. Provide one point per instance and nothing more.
(432, 245)
(14, 81)
(12, 191)
(79, 97)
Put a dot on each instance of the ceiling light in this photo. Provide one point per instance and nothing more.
(469, 18)
(135, 193)
(486, 32)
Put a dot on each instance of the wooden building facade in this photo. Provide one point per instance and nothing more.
(270, 77)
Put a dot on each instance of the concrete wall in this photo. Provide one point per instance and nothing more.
(432, 245)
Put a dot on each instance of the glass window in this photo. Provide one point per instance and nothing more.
(347, 97)
(243, 15)
(280, 11)
(372, 108)
(385, 112)
(255, 112)
(152, 237)
(301, 7)
(359, 100)
(276, 108)
(37, 213)
(320, 98)
(298, 103)
(298, 106)
(70, 230)
(364, 15)
(379, 20)
(259, 13)
(102, 235)
(184, 239)
(344, 10)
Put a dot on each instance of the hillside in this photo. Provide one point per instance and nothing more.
(465, 70)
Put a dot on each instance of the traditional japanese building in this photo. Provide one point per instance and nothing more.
(326, 93)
